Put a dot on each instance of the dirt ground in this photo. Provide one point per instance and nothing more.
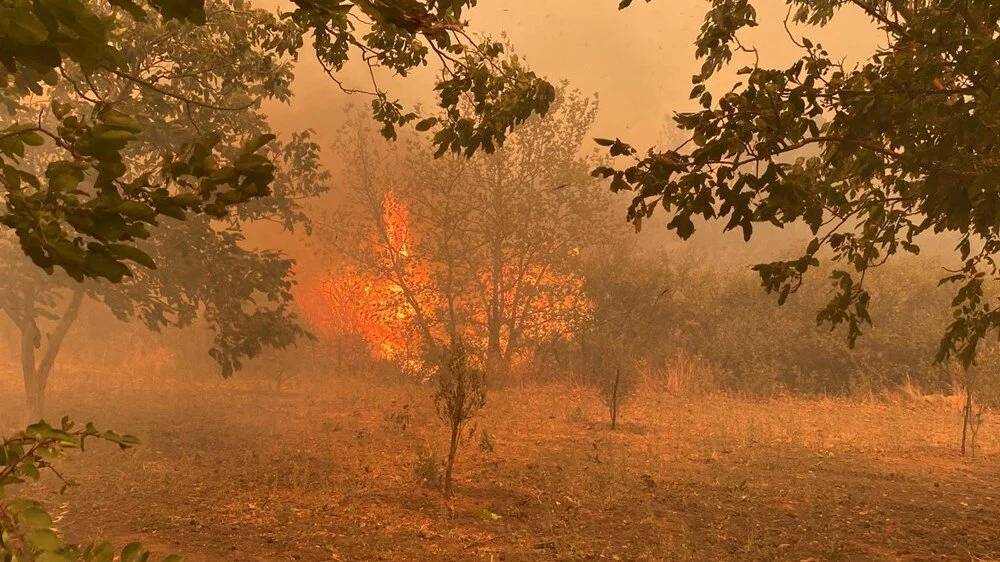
(232, 471)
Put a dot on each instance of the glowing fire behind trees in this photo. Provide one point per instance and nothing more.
(354, 304)
(399, 310)
(489, 250)
(378, 304)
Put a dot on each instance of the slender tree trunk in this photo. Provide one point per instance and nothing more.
(452, 454)
(967, 411)
(495, 306)
(33, 393)
(36, 373)
(495, 361)
(340, 355)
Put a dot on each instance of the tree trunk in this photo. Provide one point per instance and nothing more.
(452, 454)
(967, 411)
(34, 391)
(495, 309)
(494, 360)
(36, 373)
(340, 355)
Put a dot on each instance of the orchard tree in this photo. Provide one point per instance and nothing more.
(205, 272)
(532, 214)
(30, 299)
(870, 157)
(460, 394)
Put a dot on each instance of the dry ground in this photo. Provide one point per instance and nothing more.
(234, 472)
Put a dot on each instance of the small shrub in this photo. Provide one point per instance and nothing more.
(461, 393)
(617, 388)
(577, 415)
(26, 528)
(486, 444)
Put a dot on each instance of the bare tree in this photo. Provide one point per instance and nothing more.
(616, 382)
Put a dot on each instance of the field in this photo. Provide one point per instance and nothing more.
(235, 471)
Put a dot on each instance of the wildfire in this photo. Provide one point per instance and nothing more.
(369, 305)
(395, 306)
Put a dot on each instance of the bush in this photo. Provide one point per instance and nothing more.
(663, 306)
(26, 532)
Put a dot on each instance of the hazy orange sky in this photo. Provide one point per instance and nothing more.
(639, 61)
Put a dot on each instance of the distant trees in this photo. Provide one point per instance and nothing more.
(667, 308)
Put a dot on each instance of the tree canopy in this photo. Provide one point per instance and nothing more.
(487, 250)
(869, 156)
(87, 207)
(242, 294)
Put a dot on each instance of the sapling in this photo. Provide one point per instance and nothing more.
(460, 394)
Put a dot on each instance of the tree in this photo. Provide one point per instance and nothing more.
(616, 389)
(89, 206)
(870, 158)
(205, 272)
(28, 296)
(488, 249)
(460, 394)
(532, 214)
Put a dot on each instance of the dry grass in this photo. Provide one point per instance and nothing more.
(232, 471)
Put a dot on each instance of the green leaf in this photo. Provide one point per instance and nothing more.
(32, 515)
(31, 138)
(258, 142)
(28, 470)
(24, 27)
(813, 246)
(52, 557)
(115, 136)
(137, 210)
(426, 124)
(132, 253)
(101, 264)
(103, 552)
